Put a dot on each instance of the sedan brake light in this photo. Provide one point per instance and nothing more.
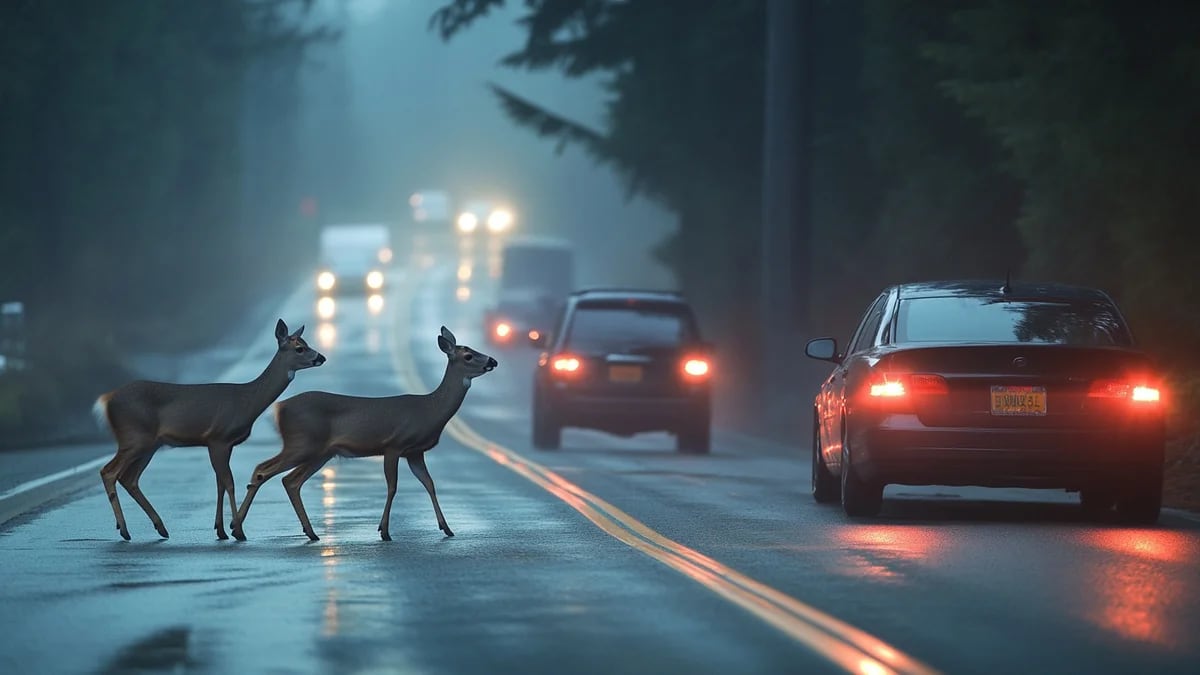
(1124, 390)
(894, 386)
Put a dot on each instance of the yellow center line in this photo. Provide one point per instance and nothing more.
(842, 644)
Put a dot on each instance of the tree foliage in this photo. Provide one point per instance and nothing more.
(949, 138)
(121, 180)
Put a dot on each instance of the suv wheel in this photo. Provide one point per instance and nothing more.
(695, 438)
(547, 432)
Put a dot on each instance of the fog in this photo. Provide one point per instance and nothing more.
(415, 112)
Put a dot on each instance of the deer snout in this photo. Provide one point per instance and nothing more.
(319, 360)
(491, 364)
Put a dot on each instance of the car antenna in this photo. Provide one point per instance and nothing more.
(1007, 287)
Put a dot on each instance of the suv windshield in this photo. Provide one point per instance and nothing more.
(608, 328)
(983, 319)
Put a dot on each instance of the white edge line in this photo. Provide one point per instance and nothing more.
(75, 471)
(54, 477)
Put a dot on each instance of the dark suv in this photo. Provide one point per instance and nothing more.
(624, 361)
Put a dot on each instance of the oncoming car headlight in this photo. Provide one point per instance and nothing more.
(375, 279)
(326, 281)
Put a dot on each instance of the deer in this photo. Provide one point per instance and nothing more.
(144, 415)
(317, 426)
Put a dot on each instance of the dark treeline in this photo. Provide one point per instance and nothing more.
(947, 138)
(124, 217)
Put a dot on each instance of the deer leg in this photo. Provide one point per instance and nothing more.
(218, 456)
(417, 464)
(129, 479)
(265, 471)
(292, 483)
(390, 463)
(108, 474)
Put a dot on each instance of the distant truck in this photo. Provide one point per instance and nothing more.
(536, 276)
(354, 258)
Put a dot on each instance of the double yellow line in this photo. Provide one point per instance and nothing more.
(842, 644)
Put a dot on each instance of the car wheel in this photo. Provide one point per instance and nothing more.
(695, 439)
(825, 487)
(859, 498)
(1097, 501)
(1141, 502)
(547, 432)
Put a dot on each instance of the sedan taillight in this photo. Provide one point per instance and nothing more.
(1132, 391)
(903, 385)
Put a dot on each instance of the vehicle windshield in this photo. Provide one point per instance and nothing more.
(629, 329)
(991, 320)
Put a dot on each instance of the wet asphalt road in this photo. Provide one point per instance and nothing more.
(965, 581)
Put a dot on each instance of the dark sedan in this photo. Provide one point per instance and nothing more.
(992, 384)
(624, 362)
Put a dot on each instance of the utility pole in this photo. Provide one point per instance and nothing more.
(785, 226)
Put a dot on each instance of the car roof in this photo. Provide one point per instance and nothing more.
(621, 294)
(994, 288)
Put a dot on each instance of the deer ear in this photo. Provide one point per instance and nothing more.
(446, 346)
(281, 330)
(299, 331)
(449, 337)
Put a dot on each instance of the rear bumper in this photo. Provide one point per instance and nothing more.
(627, 414)
(911, 454)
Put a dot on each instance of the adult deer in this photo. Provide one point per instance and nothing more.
(316, 426)
(143, 416)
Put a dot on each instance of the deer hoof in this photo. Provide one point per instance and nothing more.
(239, 535)
(162, 531)
(385, 536)
(312, 536)
(125, 535)
(221, 535)
(447, 531)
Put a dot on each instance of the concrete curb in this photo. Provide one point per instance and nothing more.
(32, 494)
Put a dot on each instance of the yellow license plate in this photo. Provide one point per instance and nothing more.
(624, 373)
(1018, 400)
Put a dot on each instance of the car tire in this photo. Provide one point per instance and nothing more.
(547, 432)
(859, 498)
(826, 489)
(695, 439)
(1141, 502)
(1097, 501)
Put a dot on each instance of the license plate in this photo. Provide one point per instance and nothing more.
(624, 373)
(1018, 400)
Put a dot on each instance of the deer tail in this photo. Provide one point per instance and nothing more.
(278, 414)
(100, 411)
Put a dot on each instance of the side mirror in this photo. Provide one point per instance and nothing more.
(823, 349)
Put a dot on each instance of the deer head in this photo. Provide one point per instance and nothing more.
(294, 351)
(464, 361)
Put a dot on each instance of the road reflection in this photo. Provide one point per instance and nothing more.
(326, 335)
(880, 552)
(330, 624)
(1138, 593)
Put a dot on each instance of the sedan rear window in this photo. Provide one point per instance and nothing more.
(979, 319)
(609, 328)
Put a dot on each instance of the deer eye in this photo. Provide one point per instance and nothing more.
(468, 357)
(299, 350)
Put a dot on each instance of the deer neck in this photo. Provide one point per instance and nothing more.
(270, 384)
(450, 392)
